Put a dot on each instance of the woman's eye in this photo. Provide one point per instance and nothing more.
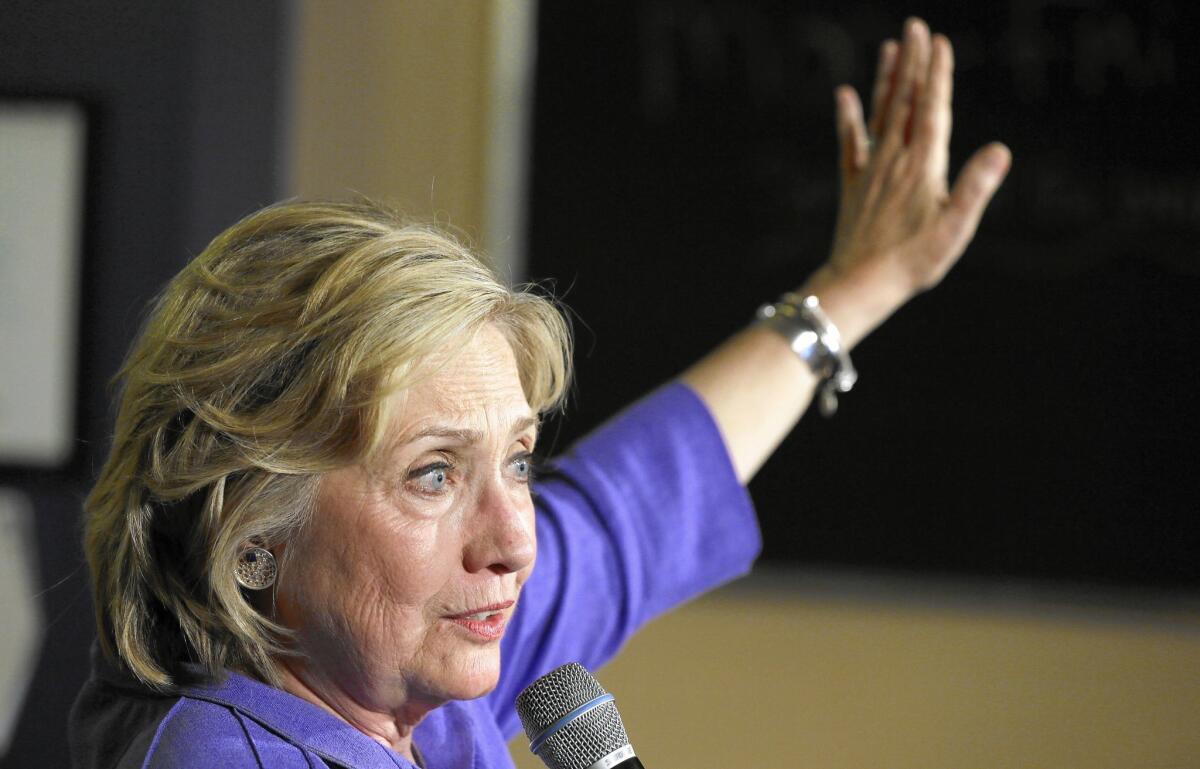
(431, 478)
(522, 467)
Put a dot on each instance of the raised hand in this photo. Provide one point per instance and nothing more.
(901, 227)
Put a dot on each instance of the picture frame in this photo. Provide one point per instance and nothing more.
(43, 190)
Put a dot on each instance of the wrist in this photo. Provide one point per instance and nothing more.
(857, 300)
(811, 335)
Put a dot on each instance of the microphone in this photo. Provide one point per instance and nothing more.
(572, 723)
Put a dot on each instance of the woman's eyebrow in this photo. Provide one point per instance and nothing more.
(522, 425)
(464, 435)
(458, 435)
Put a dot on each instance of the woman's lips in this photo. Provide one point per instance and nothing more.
(487, 622)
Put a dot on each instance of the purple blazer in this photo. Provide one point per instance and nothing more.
(638, 517)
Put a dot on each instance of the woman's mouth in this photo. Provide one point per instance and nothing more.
(487, 623)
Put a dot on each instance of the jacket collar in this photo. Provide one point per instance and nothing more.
(298, 721)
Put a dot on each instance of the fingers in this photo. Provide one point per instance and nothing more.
(932, 120)
(884, 84)
(912, 54)
(910, 69)
(852, 133)
(920, 73)
(976, 184)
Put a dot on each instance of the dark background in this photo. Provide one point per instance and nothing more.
(183, 105)
(1033, 416)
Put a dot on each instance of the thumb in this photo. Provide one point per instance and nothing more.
(973, 190)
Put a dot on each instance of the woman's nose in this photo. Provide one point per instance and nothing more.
(502, 537)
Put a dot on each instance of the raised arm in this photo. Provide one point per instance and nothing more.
(900, 228)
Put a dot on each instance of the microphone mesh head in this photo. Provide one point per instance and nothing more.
(585, 739)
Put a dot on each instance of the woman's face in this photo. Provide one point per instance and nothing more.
(401, 587)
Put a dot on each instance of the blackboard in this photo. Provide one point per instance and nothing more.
(1033, 417)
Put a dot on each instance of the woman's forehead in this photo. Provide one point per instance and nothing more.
(476, 387)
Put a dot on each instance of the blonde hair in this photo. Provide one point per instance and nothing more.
(264, 364)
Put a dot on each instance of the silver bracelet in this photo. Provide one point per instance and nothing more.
(813, 337)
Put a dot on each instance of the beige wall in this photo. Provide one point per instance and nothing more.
(390, 100)
(909, 676)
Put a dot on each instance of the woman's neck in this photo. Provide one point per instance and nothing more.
(392, 729)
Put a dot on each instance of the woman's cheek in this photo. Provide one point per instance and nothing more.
(412, 505)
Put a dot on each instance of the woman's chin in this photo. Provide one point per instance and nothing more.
(476, 673)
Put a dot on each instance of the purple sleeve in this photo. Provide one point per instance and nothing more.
(640, 516)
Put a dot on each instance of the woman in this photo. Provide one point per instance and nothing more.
(313, 543)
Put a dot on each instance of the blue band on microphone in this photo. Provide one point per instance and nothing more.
(550, 730)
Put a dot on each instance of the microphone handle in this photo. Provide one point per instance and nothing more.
(630, 763)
